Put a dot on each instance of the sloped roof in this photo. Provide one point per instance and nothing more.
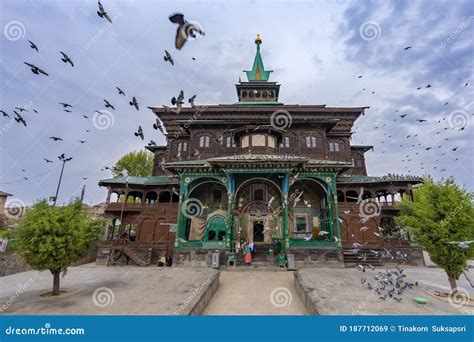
(154, 180)
(381, 179)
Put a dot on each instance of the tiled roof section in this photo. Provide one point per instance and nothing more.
(371, 179)
(154, 180)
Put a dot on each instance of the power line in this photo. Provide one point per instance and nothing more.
(35, 176)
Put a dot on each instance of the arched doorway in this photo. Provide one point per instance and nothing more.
(309, 211)
(258, 211)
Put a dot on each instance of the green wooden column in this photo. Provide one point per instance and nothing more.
(336, 211)
(230, 240)
(284, 203)
(183, 192)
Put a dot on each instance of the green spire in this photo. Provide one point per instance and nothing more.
(258, 72)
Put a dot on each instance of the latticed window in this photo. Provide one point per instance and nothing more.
(301, 223)
(229, 142)
(310, 141)
(182, 146)
(333, 146)
(285, 143)
(204, 141)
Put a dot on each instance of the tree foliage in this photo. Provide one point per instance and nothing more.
(441, 213)
(52, 238)
(137, 164)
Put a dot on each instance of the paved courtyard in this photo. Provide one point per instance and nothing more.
(340, 292)
(256, 293)
(100, 290)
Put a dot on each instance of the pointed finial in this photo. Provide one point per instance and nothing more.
(258, 39)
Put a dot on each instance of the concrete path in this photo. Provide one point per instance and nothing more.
(255, 293)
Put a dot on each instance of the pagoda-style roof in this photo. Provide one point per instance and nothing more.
(390, 178)
(153, 180)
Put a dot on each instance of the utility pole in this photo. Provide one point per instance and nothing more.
(64, 160)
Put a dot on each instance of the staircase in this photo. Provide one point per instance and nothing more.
(140, 255)
(261, 255)
(352, 259)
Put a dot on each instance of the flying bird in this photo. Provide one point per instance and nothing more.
(47, 160)
(167, 57)
(56, 138)
(421, 120)
(158, 125)
(82, 141)
(66, 58)
(120, 91)
(191, 100)
(19, 119)
(134, 103)
(185, 30)
(65, 105)
(36, 70)
(360, 76)
(108, 104)
(5, 114)
(102, 13)
(139, 133)
(178, 102)
(407, 48)
(403, 115)
(33, 46)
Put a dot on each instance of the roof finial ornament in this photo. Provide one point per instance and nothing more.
(258, 39)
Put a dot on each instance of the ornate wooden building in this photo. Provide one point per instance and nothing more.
(283, 176)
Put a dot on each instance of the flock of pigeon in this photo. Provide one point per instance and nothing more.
(439, 129)
(184, 31)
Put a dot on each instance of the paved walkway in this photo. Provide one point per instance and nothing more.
(256, 293)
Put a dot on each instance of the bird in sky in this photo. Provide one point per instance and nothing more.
(120, 91)
(167, 57)
(67, 110)
(47, 160)
(191, 100)
(139, 133)
(82, 141)
(360, 76)
(33, 46)
(56, 138)
(108, 104)
(403, 115)
(66, 58)
(134, 103)
(158, 125)
(421, 120)
(65, 105)
(185, 30)
(5, 114)
(102, 13)
(407, 48)
(178, 101)
(36, 70)
(19, 118)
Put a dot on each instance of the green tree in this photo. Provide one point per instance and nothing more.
(52, 238)
(138, 163)
(441, 213)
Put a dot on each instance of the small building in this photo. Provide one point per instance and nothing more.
(283, 176)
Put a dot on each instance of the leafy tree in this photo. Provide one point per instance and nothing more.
(52, 238)
(441, 213)
(138, 163)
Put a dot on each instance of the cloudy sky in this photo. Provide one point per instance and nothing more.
(317, 50)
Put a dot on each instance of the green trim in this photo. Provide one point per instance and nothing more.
(258, 72)
(154, 180)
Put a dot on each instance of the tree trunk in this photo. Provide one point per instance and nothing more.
(56, 274)
(452, 283)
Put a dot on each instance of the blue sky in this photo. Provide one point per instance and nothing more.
(317, 50)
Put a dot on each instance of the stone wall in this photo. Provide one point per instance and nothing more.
(309, 257)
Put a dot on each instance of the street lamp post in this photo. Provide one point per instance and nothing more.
(64, 160)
